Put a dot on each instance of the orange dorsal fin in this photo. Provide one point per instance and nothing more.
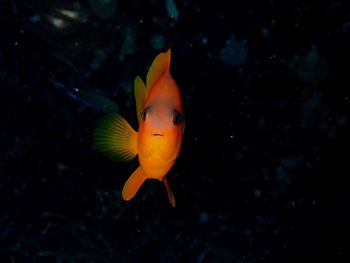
(116, 138)
(160, 65)
(133, 184)
(140, 93)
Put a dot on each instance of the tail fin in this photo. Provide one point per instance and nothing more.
(133, 184)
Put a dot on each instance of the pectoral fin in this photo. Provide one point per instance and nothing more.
(170, 193)
(133, 184)
(116, 138)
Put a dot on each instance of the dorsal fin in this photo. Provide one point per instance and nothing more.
(160, 65)
(140, 93)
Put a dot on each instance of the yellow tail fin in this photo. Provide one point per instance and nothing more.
(133, 184)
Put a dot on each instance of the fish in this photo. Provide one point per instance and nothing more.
(88, 98)
(157, 143)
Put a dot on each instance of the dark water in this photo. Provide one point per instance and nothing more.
(266, 151)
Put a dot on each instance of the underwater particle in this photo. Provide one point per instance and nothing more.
(257, 193)
(35, 19)
(61, 166)
(234, 53)
(99, 57)
(292, 161)
(341, 119)
(171, 18)
(262, 121)
(204, 41)
(69, 13)
(59, 23)
(74, 15)
(265, 32)
(239, 156)
(346, 27)
(203, 218)
(76, 5)
(311, 67)
(281, 175)
(201, 257)
(157, 42)
(128, 46)
(315, 112)
(172, 10)
(104, 9)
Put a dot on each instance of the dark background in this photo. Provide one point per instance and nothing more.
(266, 151)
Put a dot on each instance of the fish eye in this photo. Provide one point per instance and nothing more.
(145, 112)
(177, 118)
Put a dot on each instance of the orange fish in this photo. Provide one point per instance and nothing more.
(161, 125)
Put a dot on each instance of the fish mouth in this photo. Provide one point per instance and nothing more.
(157, 134)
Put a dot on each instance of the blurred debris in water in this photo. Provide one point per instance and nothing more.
(172, 9)
(104, 9)
(311, 67)
(234, 53)
(157, 42)
(170, 15)
(128, 47)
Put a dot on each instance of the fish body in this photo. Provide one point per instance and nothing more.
(161, 123)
